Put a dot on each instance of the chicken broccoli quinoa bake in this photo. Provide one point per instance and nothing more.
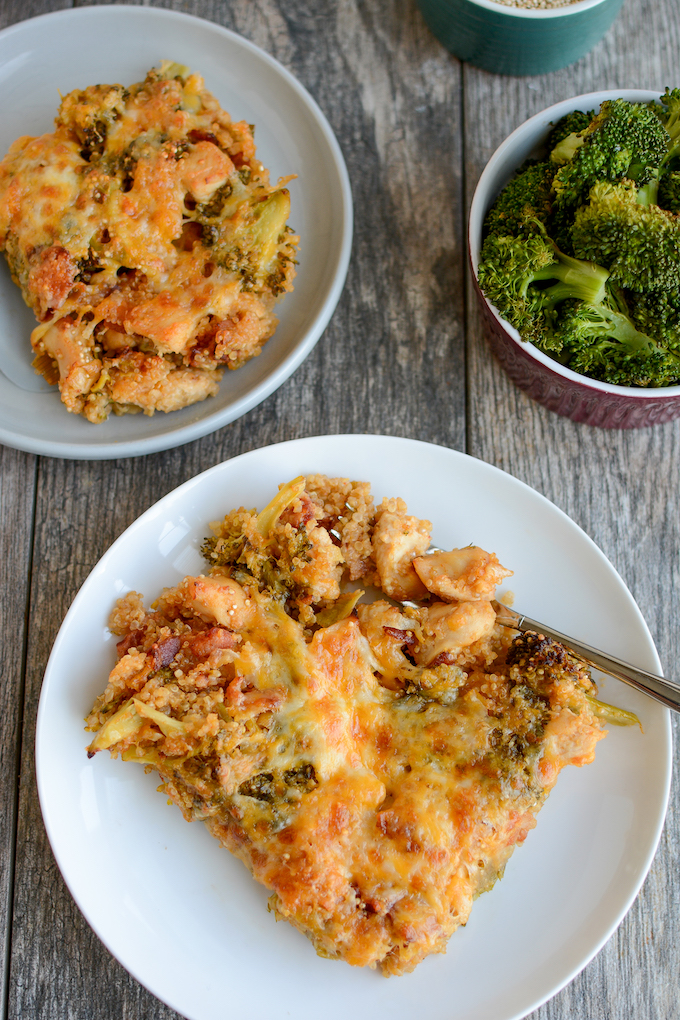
(373, 763)
(145, 235)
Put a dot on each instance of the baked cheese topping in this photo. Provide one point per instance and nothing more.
(372, 763)
(146, 237)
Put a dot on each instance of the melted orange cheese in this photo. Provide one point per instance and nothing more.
(374, 797)
(144, 224)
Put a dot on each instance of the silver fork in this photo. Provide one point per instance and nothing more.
(657, 687)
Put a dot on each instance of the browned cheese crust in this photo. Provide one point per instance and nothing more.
(146, 237)
(374, 764)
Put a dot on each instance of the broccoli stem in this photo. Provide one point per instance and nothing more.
(578, 278)
(599, 320)
(564, 151)
(622, 329)
(267, 518)
(649, 194)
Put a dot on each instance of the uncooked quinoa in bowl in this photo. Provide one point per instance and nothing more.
(520, 37)
(536, 5)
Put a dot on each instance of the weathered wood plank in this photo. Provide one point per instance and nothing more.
(12, 11)
(17, 490)
(392, 361)
(621, 487)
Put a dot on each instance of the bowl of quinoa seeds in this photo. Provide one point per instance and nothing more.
(536, 5)
(519, 37)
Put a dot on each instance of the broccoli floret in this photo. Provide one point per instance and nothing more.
(581, 322)
(657, 313)
(668, 196)
(624, 140)
(255, 243)
(508, 266)
(573, 124)
(541, 664)
(603, 343)
(609, 363)
(640, 245)
(568, 135)
(670, 102)
(567, 307)
(668, 113)
(524, 200)
(565, 150)
(527, 277)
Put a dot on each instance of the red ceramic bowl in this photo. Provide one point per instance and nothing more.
(548, 382)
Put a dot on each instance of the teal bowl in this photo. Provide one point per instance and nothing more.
(518, 40)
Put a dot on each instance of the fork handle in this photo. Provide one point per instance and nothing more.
(657, 687)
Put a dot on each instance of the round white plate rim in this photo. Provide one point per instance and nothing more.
(303, 448)
(218, 419)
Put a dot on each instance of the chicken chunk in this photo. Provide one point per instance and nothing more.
(220, 599)
(448, 629)
(464, 575)
(154, 384)
(396, 540)
(319, 568)
(388, 631)
(205, 169)
(52, 275)
(78, 369)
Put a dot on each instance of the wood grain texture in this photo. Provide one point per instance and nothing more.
(403, 355)
(621, 487)
(17, 490)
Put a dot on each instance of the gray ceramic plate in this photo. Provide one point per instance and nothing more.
(52, 54)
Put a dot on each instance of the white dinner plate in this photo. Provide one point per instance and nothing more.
(186, 918)
(55, 53)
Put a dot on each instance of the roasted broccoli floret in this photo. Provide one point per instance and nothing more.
(567, 135)
(567, 307)
(255, 242)
(603, 343)
(668, 196)
(573, 123)
(542, 662)
(668, 112)
(624, 140)
(670, 117)
(524, 200)
(639, 244)
(668, 192)
(526, 278)
(565, 150)
(657, 313)
(611, 363)
(544, 671)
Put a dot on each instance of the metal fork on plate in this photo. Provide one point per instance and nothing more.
(657, 687)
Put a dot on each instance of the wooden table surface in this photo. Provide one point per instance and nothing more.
(403, 355)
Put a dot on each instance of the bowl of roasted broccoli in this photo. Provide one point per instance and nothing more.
(574, 237)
